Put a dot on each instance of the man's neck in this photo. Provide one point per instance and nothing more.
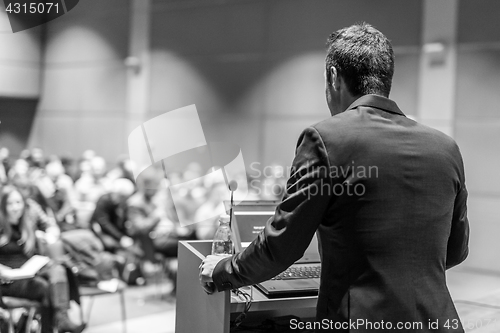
(346, 99)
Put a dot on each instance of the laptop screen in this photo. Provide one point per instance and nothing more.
(250, 224)
(250, 218)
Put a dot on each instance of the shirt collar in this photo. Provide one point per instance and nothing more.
(377, 101)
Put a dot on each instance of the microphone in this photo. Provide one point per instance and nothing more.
(233, 186)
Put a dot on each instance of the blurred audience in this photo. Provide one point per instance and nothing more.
(124, 169)
(79, 202)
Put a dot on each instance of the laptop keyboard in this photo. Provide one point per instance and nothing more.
(299, 272)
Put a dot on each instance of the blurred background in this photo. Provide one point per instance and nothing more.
(254, 70)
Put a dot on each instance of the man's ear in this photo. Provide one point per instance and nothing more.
(333, 77)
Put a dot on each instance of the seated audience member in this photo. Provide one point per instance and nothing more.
(36, 158)
(20, 167)
(108, 218)
(70, 167)
(89, 187)
(47, 229)
(4, 164)
(5, 159)
(83, 164)
(92, 182)
(42, 213)
(87, 258)
(62, 200)
(17, 244)
(150, 214)
(3, 174)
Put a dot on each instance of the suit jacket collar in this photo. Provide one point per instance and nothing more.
(377, 101)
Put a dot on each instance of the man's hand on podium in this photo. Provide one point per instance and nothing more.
(207, 267)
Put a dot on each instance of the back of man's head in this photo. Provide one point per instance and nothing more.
(363, 57)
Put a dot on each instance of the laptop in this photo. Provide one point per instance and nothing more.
(300, 279)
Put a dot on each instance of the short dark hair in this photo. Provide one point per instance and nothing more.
(364, 58)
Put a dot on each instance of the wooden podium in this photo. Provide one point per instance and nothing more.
(197, 312)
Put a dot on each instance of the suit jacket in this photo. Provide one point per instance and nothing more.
(387, 198)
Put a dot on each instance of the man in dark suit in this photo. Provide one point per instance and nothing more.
(385, 194)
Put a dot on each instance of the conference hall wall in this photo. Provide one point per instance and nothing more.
(83, 94)
(20, 70)
(477, 125)
(254, 69)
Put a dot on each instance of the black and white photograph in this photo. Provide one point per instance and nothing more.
(249, 166)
